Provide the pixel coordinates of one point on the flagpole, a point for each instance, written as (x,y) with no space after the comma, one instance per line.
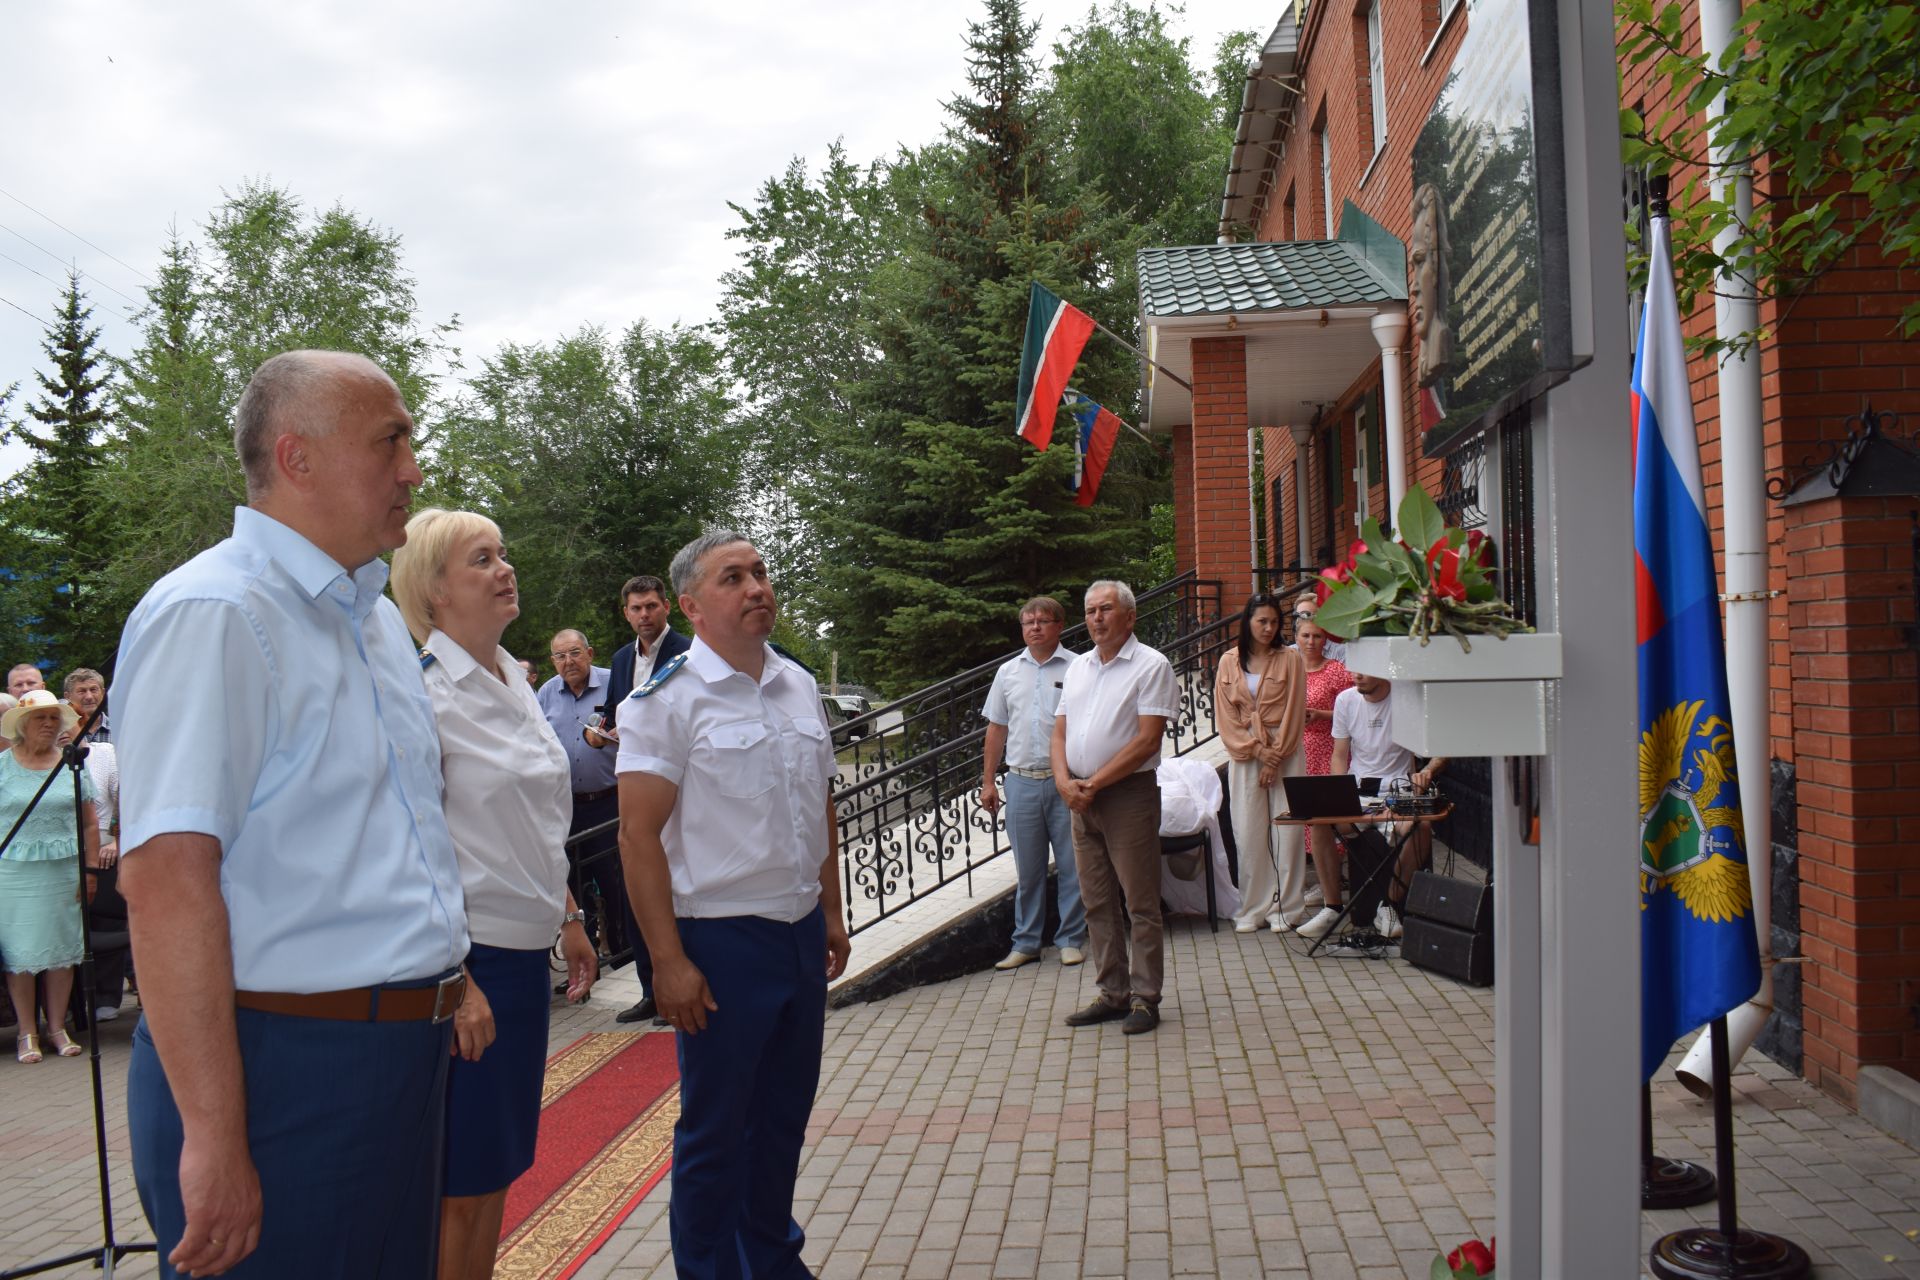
(1143,355)
(1117,418)
(1726,1251)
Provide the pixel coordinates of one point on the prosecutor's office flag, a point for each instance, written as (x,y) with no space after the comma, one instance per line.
(1056,331)
(1699,954)
(1098,429)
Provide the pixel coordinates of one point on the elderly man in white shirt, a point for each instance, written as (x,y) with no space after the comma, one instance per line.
(727,832)
(1114,709)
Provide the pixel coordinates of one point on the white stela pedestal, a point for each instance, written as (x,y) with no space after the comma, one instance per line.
(1447,701)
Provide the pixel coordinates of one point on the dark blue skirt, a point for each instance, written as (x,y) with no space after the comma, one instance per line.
(493,1105)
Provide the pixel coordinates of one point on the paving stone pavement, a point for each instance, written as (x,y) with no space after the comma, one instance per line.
(1290,1118)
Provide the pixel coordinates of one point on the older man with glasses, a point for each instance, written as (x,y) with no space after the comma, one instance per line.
(571,701)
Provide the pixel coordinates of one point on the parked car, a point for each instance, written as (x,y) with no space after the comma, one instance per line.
(851,703)
(837,721)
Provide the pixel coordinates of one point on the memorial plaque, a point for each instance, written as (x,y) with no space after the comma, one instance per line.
(1487,256)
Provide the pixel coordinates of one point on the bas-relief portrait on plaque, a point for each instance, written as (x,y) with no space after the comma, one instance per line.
(1487,274)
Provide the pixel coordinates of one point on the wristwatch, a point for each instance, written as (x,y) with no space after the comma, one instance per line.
(573,917)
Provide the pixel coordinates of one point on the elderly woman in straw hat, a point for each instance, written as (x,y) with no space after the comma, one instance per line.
(509,796)
(39,870)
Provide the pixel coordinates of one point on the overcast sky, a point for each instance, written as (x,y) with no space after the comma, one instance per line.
(548,165)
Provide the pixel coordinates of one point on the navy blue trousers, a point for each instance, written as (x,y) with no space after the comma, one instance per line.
(345,1121)
(746,1089)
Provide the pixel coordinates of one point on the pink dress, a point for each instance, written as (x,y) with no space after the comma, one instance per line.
(1323,686)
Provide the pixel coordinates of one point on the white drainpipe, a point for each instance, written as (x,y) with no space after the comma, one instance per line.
(1742,489)
(1302,433)
(1390,331)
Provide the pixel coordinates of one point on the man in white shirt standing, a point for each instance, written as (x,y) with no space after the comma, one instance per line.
(1114,709)
(1019,714)
(1363,745)
(727,832)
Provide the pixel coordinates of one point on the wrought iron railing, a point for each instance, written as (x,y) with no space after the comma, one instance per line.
(908,794)
(913,824)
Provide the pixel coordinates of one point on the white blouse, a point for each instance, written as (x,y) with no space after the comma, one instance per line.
(507,796)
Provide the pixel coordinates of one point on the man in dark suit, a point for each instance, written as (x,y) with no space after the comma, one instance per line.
(644,602)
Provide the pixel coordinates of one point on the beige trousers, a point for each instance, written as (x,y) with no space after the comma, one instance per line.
(1273,860)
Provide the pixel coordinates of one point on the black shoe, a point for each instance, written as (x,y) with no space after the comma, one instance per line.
(1098,1011)
(638,1013)
(1141,1020)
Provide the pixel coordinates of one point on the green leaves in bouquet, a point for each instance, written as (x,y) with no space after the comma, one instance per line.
(1421,524)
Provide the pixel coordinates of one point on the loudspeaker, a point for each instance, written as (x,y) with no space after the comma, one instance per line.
(1441,948)
(1459,903)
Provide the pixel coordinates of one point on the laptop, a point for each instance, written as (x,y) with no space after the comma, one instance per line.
(1335,795)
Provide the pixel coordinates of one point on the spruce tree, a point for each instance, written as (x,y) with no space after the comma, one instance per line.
(948,520)
(51,506)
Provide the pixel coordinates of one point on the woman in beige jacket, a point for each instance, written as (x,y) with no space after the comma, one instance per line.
(1259,704)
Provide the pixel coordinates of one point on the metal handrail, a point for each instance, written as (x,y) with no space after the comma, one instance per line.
(915,825)
(910,814)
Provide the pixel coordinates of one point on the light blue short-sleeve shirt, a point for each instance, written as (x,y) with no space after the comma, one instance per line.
(272,700)
(1023,699)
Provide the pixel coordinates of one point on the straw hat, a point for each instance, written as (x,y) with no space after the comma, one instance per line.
(37,700)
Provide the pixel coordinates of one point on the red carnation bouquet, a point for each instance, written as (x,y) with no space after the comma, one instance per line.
(1471,1261)
(1430,580)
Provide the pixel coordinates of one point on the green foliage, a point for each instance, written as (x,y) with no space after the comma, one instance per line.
(876,320)
(794,315)
(54,534)
(1823,94)
(955,520)
(599,456)
(1131,120)
(268,278)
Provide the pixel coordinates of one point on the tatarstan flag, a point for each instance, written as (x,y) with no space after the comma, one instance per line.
(1056,331)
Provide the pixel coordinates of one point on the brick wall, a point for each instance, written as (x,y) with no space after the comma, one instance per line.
(1850,601)
(1222,514)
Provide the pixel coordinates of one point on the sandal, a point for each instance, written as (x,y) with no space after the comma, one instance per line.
(28,1049)
(63,1044)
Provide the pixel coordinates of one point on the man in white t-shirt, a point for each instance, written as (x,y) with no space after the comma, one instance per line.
(1363,746)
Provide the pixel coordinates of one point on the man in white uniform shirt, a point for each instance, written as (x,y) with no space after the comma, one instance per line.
(1114,709)
(1019,715)
(727,833)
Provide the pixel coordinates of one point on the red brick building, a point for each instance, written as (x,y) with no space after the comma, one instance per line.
(1292,332)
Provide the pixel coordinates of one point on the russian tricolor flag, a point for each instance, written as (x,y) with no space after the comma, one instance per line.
(1056,332)
(1699,952)
(1098,429)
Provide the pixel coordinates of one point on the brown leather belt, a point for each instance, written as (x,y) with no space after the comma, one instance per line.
(363,1004)
(588,797)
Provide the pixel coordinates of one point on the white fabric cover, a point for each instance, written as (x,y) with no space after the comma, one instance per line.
(1190,802)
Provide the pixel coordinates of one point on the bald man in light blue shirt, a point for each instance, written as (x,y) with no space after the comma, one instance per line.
(295,905)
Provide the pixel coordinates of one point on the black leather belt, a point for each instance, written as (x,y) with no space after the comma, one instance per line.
(588,797)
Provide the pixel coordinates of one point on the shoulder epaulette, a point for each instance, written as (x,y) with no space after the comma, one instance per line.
(783,652)
(427,659)
(661,676)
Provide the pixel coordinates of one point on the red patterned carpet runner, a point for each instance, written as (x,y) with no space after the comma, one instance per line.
(606,1139)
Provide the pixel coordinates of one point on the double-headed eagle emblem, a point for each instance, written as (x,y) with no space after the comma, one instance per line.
(1684,836)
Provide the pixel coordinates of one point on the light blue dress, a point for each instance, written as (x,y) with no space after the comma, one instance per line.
(39,871)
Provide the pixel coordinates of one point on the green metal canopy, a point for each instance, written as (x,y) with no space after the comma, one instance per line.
(1304,307)
(1287,275)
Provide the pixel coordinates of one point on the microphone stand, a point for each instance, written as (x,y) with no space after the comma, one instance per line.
(110,1250)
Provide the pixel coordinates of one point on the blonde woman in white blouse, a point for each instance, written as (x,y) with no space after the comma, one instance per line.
(507,802)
